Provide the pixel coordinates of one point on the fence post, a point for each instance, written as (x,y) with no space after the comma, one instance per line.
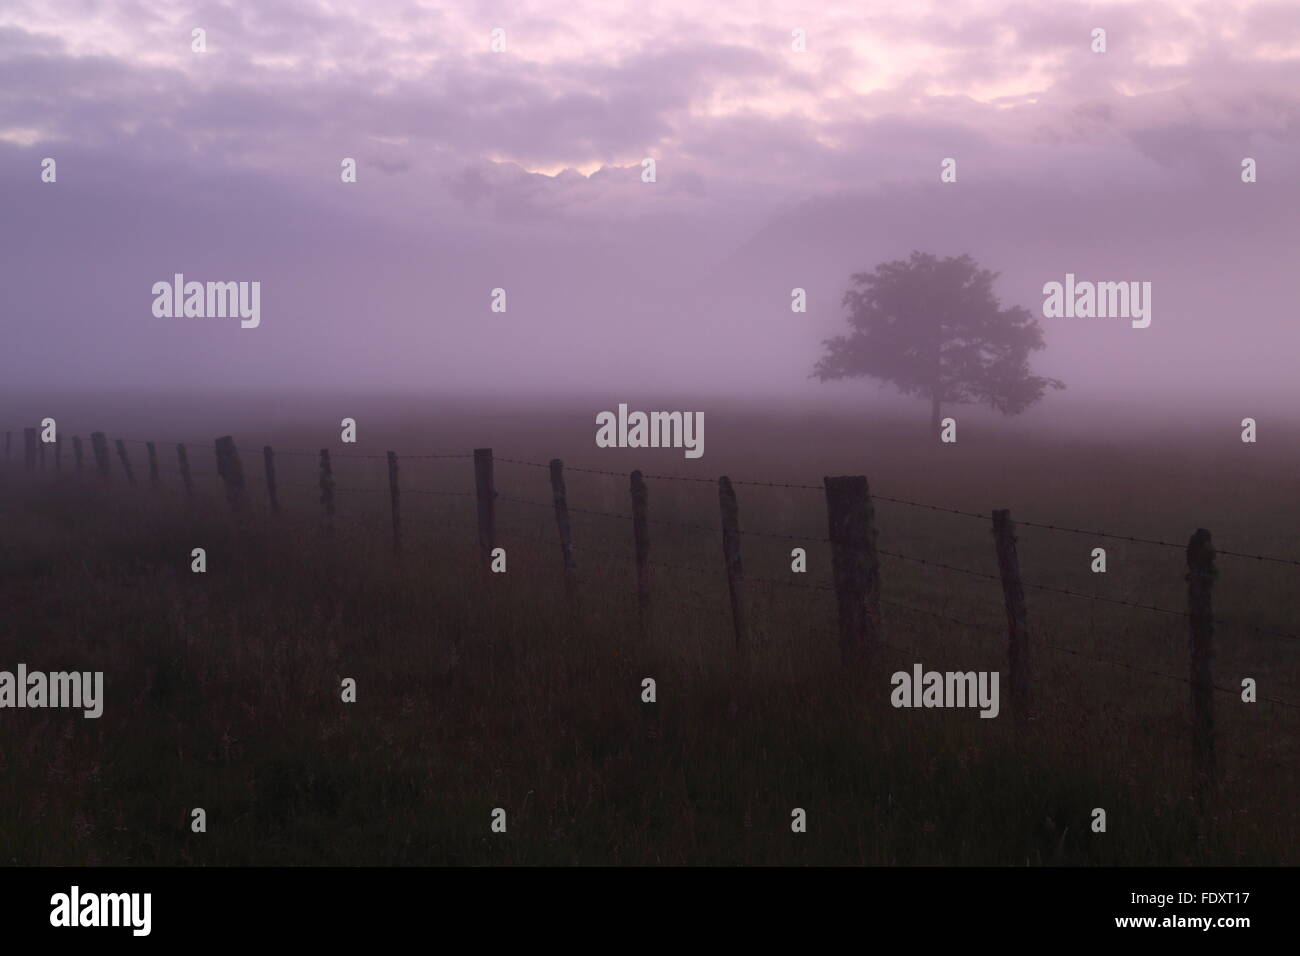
(326,491)
(183,459)
(485,492)
(1200,609)
(76,453)
(641,547)
(394,497)
(126,461)
(153,464)
(99,445)
(735,572)
(854,565)
(1013,596)
(560,498)
(268,460)
(231,471)
(29,448)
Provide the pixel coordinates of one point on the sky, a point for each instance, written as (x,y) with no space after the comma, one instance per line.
(522,169)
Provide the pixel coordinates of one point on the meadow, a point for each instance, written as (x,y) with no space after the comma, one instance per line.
(478,691)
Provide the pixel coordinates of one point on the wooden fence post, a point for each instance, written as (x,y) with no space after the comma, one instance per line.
(231,470)
(1200,609)
(854,565)
(153,464)
(735,572)
(29,448)
(76,454)
(394,497)
(268,461)
(1013,596)
(641,548)
(183,459)
(560,498)
(126,461)
(99,445)
(485,492)
(326,491)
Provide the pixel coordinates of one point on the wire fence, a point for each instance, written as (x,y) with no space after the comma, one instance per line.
(35,460)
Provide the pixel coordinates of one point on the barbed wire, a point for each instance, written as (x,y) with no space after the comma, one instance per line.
(1156,541)
(350,456)
(714,571)
(1161,674)
(789,485)
(1068,592)
(1227,622)
(294,452)
(777,535)
(986,629)
(778,484)
(982,628)
(1040,587)
(929,507)
(690,525)
(1272,559)
(1090,657)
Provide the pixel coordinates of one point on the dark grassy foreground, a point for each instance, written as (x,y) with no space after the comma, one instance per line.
(223,692)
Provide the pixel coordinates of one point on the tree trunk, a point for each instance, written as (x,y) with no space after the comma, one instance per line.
(937,389)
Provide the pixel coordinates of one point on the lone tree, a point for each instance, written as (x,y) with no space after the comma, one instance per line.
(933,327)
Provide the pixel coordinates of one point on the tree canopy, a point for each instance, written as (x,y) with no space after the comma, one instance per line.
(933,327)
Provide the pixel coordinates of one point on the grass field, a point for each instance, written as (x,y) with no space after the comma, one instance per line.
(479,691)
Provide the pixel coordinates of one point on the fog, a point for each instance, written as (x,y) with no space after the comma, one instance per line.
(522,171)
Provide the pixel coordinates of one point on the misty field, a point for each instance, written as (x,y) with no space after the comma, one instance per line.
(477,691)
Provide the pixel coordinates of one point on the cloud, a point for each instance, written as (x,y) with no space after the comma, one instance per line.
(523,169)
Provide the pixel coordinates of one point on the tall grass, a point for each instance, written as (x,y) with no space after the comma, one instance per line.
(479,691)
